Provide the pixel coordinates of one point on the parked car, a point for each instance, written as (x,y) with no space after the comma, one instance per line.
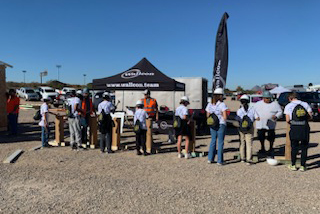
(313,98)
(65,90)
(254,98)
(97,98)
(28,94)
(49,93)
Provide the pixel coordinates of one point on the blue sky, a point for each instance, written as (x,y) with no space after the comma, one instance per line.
(269,40)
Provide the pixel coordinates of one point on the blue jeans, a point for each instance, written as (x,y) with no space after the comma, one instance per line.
(220,133)
(13,123)
(45,136)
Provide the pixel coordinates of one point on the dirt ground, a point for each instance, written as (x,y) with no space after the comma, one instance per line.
(58,180)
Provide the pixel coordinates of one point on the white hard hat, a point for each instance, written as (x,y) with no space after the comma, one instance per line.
(185,98)
(139,102)
(244,97)
(147,91)
(105,94)
(218,91)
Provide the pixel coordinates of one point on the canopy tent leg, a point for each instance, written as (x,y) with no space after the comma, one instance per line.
(122,100)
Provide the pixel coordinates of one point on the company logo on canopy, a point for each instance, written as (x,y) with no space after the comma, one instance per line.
(133,73)
(141,76)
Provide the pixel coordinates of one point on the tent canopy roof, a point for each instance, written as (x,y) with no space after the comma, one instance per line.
(141,76)
(279,90)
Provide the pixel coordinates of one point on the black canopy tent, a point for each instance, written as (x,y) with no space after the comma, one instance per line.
(142,76)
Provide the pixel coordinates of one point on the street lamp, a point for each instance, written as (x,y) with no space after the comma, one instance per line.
(84,79)
(58,66)
(24,76)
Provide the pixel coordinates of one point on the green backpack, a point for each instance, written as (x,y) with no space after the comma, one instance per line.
(137,127)
(177,122)
(213,120)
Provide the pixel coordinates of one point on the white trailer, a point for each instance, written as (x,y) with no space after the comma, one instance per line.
(196,88)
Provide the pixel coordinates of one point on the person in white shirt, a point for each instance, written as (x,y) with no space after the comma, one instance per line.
(183,130)
(44,123)
(246,135)
(267,114)
(141,137)
(74,122)
(105,124)
(218,109)
(297,115)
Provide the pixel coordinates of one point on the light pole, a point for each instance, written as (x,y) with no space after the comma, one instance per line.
(58,66)
(24,76)
(84,79)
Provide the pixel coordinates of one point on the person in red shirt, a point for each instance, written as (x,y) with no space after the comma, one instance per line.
(13,103)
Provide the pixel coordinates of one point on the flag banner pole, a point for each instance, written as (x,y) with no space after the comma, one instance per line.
(221,55)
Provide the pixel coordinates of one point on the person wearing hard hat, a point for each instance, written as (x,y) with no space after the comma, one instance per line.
(105,122)
(140,128)
(150,105)
(297,115)
(86,111)
(246,117)
(74,110)
(183,128)
(216,119)
(267,113)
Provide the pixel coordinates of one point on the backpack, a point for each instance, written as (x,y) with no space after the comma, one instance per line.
(69,111)
(245,124)
(37,115)
(299,115)
(213,121)
(177,122)
(137,127)
(105,122)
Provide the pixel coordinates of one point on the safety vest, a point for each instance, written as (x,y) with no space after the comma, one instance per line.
(84,107)
(150,107)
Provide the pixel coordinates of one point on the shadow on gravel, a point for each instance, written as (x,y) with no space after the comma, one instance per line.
(26,132)
(315,164)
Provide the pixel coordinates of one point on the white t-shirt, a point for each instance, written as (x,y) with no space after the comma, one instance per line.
(217,109)
(290,107)
(73,101)
(265,111)
(44,109)
(250,113)
(106,106)
(181,111)
(141,115)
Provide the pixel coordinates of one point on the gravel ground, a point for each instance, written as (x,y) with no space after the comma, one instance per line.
(58,180)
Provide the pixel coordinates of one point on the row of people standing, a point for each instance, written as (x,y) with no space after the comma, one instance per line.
(80,109)
(265,113)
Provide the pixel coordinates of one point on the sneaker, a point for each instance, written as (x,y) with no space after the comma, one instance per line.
(187,156)
(292,167)
(220,164)
(145,153)
(139,153)
(243,161)
(302,169)
(210,162)
(180,155)
(248,163)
